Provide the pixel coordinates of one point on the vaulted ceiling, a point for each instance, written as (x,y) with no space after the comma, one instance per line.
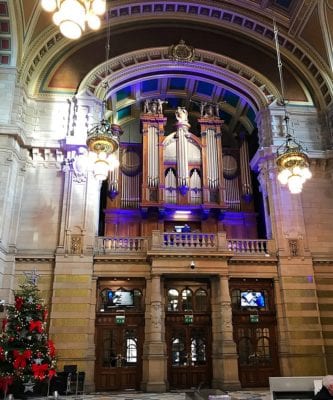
(235,57)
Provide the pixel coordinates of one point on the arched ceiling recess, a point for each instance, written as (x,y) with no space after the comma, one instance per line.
(147,74)
(222,27)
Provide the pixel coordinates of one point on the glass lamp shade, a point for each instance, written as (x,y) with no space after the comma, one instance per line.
(307,173)
(70,18)
(94,22)
(70,29)
(113,162)
(101,169)
(295,184)
(49,5)
(99,7)
(283,176)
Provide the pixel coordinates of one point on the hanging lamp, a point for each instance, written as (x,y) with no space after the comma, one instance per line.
(72,15)
(292,161)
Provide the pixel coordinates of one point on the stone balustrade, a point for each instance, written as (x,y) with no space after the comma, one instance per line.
(248,246)
(178,242)
(121,244)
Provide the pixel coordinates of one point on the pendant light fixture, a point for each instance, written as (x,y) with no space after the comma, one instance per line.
(72,15)
(104,137)
(292,161)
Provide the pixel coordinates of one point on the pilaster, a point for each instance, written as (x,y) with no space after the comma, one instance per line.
(154,351)
(224,352)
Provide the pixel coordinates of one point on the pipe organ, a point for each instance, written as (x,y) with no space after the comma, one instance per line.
(174,168)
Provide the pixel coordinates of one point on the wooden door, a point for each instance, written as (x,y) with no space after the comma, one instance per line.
(119,353)
(188,335)
(257,354)
(188,356)
(254,327)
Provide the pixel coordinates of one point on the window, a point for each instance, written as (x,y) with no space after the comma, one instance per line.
(201,300)
(131,348)
(173,300)
(187,300)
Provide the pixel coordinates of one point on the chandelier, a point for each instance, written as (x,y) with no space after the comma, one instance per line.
(292,162)
(103,143)
(72,15)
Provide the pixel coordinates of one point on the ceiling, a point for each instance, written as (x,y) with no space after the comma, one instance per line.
(235,56)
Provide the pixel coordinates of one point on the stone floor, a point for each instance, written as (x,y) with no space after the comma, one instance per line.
(174,395)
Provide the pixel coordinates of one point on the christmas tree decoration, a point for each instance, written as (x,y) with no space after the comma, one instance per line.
(27,356)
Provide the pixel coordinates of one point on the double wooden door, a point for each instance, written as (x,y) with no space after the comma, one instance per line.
(118,353)
(188,333)
(189,354)
(257,351)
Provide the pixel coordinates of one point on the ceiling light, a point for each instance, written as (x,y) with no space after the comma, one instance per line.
(72,15)
(103,142)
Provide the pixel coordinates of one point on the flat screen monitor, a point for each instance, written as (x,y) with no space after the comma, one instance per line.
(252,299)
(120,298)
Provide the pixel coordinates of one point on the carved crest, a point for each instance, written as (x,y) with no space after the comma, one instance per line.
(181,52)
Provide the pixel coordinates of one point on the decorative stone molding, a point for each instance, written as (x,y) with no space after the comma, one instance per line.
(255,25)
(110,73)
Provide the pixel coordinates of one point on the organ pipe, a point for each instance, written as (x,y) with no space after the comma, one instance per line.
(212,159)
(153,161)
(245,169)
(182,156)
(114,179)
(130,191)
(170,187)
(232,197)
(195,185)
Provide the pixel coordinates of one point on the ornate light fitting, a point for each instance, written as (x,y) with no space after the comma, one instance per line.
(103,142)
(72,15)
(292,162)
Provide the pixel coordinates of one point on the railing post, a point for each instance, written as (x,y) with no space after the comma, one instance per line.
(271,247)
(222,241)
(155,240)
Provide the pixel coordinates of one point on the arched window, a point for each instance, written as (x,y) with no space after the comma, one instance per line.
(173,300)
(187,300)
(201,300)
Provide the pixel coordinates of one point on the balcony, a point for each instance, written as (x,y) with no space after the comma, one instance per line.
(183,244)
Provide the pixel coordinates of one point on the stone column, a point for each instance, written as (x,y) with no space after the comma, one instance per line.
(154,350)
(224,352)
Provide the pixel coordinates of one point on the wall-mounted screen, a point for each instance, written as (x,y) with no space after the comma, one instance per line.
(252,299)
(120,298)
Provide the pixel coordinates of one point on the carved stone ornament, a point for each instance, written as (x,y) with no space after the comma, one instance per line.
(76,244)
(181,52)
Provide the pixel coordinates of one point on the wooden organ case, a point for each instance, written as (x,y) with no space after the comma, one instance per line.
(178,171)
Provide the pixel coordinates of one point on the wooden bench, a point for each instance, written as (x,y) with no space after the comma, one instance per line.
(294,387)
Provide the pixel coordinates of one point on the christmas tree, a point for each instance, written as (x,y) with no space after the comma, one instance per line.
(27,356)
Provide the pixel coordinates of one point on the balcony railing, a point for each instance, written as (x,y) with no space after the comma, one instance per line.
(178,242)
(188,240)
(118,244)
(248,246)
